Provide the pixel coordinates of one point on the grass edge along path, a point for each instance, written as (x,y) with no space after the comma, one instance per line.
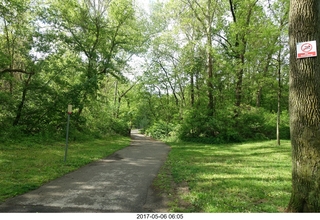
(253,177)
(27,165)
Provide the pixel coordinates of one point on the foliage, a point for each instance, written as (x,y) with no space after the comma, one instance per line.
(55,53)
(234,100)
(251,124)
(211,71)
(159,130)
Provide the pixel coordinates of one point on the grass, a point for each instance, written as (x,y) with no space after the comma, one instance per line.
(29,164)
(232,178)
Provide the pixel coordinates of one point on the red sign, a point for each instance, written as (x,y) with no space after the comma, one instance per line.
(307,49)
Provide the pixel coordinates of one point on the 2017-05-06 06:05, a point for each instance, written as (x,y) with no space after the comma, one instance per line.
(159,216)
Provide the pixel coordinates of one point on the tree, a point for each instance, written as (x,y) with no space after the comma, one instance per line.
(205,13)
(17,67)
(214,59)
(103,33)
(304,104)
(240,43)
(53,53)
(279,11)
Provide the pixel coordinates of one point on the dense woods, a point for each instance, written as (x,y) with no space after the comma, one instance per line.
(55,53)
(212,71)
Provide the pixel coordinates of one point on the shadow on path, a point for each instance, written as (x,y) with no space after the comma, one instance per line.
(118,183)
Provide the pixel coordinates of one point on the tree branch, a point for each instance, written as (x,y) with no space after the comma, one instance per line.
(232,9)
(15,71)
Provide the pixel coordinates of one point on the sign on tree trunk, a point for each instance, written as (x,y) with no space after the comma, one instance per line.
(304,103)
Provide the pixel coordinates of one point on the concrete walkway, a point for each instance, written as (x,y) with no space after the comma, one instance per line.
(118,183)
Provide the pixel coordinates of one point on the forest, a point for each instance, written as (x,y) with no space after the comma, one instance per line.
(213,71)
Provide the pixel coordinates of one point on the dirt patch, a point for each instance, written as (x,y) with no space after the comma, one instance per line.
(156,201)
(181,190)
(169,196)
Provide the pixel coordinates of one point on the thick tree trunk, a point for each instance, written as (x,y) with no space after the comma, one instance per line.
(304,108)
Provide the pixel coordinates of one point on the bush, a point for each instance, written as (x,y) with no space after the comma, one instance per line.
(271,123)
(160,130)
(120,127)
(250,124)
(12,134)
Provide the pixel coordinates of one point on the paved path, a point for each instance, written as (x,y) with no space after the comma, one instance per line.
(118,183)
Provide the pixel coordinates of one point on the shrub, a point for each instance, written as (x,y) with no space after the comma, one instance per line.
(160,130)
(120,127)
(250,124)
(271,123)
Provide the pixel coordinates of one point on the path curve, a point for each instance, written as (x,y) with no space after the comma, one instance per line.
(118,183)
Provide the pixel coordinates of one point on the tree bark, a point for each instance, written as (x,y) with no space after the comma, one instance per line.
(210,60)
(192,89)
(211,107)
(22,102)
(304,104)
(279,98)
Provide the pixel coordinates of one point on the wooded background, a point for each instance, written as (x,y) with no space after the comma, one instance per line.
(206,70)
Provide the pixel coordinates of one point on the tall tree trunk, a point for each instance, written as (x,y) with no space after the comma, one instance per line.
(259,96)
(240,51)
(279,97)
(192,89)
(10,43)
(304,103)
(211,104)
(115,113)
(22,102)
(265,73)
(239,80)
(210,78)
(208,14)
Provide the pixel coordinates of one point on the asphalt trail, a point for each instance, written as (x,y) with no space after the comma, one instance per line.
(118,183)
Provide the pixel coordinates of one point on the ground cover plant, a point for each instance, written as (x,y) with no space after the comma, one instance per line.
(28,164)
(238,178)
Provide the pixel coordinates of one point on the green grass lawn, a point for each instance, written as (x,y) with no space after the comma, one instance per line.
(231,178)
(250,177)
(29,164)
